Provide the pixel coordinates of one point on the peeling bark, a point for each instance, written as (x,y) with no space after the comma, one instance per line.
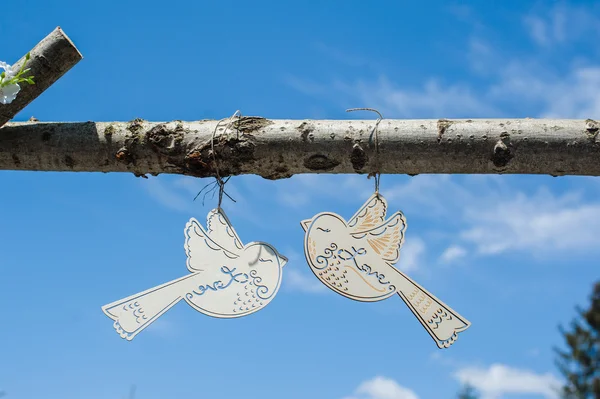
(276,149)
(50,60)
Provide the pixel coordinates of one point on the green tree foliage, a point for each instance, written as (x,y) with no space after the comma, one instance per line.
(580,362)
(468,392)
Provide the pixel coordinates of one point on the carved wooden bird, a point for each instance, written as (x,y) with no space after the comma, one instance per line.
(227,279)
(356,259)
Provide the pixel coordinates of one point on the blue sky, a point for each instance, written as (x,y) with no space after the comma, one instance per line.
(513,254)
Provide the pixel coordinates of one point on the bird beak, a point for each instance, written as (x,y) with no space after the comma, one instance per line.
(305,224)
(282,260)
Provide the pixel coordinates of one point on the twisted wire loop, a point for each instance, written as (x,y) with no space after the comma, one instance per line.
(219,181)
(374,135)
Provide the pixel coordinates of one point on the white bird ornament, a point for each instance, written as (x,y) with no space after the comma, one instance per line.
(356,259)
(227,279)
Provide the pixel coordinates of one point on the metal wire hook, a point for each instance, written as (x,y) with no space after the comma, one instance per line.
(374,132)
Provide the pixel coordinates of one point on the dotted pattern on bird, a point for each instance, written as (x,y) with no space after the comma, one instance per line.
(334,275)
(247,299)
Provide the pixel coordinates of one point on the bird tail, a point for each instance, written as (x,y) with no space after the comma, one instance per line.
(134,313)
(441,322)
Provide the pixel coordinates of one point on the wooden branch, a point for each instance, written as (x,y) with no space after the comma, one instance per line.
(50,60)
(278,149)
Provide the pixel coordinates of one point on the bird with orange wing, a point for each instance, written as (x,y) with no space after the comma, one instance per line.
(356,259)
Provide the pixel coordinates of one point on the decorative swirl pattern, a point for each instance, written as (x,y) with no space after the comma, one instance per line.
(323,259)
(219,285)
(261,289)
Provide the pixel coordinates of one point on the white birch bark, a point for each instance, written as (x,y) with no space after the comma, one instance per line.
(277,149)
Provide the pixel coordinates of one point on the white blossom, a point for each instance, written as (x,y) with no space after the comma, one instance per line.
(8,93)
(9,72)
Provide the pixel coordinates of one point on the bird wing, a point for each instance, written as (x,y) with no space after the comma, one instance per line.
(386,239)
(220,230)
(371,215)
(202,252)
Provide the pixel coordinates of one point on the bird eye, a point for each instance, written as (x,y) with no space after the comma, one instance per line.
(265,260)
(325,230)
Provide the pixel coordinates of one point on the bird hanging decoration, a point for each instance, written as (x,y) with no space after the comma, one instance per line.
(356,258)
(227,279)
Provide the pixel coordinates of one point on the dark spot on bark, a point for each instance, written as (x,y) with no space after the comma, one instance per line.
(320,162)
(135,125)
(592,128)
(165,141)
(250,124)
(16,160)
(358,157)
(231,155)
(305,129)
(123,155)
(142,175)
(197,161)
(46,136)
(109,131)
(70,162)
(281,172)
(442,126)
(503,151)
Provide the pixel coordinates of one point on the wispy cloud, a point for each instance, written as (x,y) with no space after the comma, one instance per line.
(298,276)
(434,98)
(178,192)
(412,254)
(533,223)
(452,253)
(382,388)
(498,379)
(303,282)
(487,216)
(165,194)
(562,23)
(538,78)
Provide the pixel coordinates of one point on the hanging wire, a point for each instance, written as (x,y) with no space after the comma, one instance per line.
(219,181)
(374,134)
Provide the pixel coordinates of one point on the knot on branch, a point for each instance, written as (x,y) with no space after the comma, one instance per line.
(358,157)
(231,154)
(503,151)
(592,128)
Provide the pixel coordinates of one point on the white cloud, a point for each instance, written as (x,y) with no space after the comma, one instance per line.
(573,94)
(159,189)
(433,100)
(499,379)
(411,254)
(303,282)
(488,215)
(453,253)
(382,388)
(535,224)
(562,23)
(538,78)
(298,277)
